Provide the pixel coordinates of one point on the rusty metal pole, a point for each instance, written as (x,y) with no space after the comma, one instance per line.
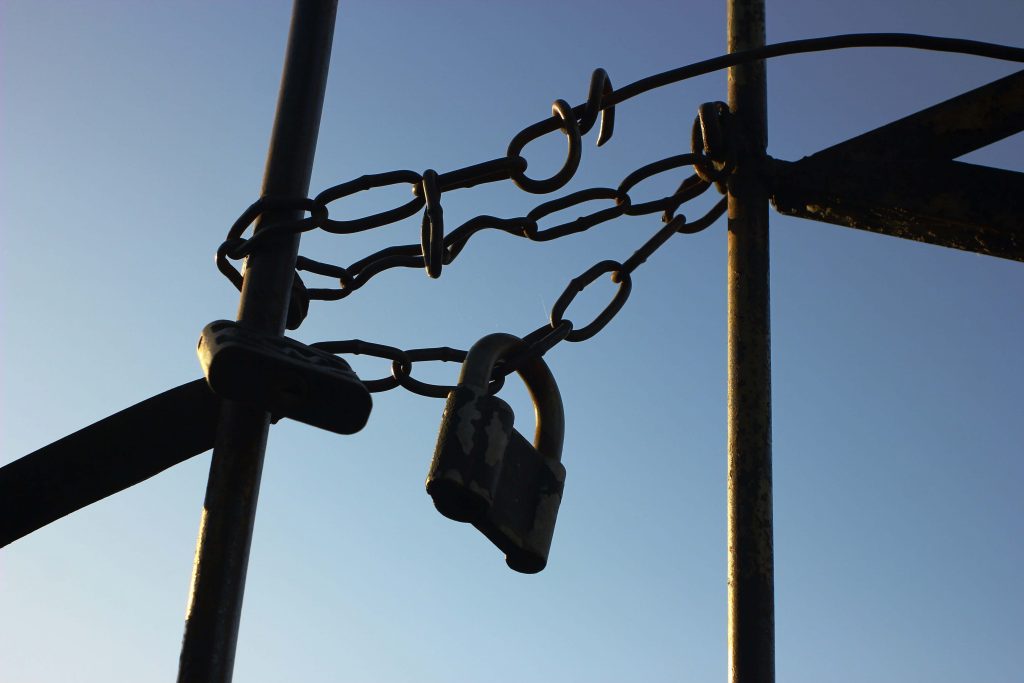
(225,529)
(751,565)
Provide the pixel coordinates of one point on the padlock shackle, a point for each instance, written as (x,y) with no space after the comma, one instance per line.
(547,407)
(547,400)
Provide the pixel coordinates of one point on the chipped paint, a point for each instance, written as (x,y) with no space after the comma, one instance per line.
(497,441)
(466,415)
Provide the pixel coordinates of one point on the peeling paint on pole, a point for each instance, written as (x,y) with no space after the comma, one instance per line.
(751,565)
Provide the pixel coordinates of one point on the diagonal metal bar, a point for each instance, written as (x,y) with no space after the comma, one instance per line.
(229,509)
(106,457)
(946,130)
(900,179)
(946,203)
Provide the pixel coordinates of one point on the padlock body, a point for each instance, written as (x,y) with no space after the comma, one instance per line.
(521,518)
(471,443)
(284,377)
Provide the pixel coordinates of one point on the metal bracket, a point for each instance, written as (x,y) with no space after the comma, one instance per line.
(901,180)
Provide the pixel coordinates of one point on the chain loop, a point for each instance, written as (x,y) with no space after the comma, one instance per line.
(692,187)
(234,246)
(369,182)
(470,176)
(402,369)
(564,118)
(707,220)
(457,239)
(533,345)
(600,88)
(298,304)
(360,347)
(577,285)
(432,227)
(622,203)
(437,249)
(713,146)
(643,173)
(271,203)
(714,141)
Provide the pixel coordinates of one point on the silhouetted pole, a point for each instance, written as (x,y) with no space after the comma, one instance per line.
(225,529)
(751,572)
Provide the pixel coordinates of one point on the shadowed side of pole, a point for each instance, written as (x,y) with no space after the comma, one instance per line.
(106,457)
(215,597)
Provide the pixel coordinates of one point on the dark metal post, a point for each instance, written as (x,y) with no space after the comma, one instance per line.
(751,571)
(225,529)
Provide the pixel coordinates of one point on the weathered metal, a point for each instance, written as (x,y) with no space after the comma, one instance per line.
(751,623)
(486,473)
(714,135)
(901,179)
(567,120)
(283,377)
(106,457)
(225,529)
(578,284)
(432,225)
(946,203)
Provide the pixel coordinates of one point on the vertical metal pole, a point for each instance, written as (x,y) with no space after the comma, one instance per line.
(225,529)
(751,570)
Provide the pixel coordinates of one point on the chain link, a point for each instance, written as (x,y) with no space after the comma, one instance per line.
(714,145)
(437,249)
(538,342)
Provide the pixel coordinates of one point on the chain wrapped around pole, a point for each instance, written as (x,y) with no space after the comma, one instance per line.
(715,140)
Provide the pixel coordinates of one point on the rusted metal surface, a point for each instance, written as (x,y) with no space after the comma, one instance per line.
(751,624)
(712,141)
(284,377)
(486,473)
(225,529)
(900,179)
(106,457)
(946,203)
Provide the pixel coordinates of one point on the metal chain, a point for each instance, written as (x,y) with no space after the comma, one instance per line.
(537,342)
(437,249)
(444,248)
(714,142)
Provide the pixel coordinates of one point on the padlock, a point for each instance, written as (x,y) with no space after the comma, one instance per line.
(486,473)
(284,377)
(475,432)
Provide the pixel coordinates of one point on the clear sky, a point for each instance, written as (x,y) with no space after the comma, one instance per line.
(134,133)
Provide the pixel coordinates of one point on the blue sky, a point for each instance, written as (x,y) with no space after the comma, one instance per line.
(132,136)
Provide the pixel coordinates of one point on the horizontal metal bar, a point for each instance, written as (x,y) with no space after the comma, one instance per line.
(947,203)
(947,130)
(106,457)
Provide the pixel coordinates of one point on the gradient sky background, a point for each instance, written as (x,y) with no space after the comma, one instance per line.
(134,133)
